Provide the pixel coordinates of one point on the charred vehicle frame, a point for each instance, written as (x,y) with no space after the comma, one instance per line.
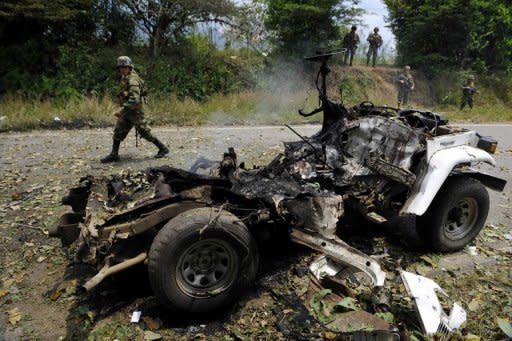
(196,233)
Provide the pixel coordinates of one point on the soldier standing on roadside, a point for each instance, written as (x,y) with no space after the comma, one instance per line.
(468,90)
(375,41)
(131,97)
(405,84)
(350,42)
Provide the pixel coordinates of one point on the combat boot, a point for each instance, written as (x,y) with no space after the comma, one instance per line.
(162,149)
(114,154)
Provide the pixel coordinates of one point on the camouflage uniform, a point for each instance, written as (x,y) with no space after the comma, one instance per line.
(405,84)
(468,90)
(375,41)
(350,42)
(131,98)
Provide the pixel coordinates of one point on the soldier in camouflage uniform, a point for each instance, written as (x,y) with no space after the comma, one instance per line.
(131,97)
(350,42)
(468,90)
(375,41)
(405,84)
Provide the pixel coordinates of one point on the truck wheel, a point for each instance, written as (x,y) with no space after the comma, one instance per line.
(456,215)
(201,260)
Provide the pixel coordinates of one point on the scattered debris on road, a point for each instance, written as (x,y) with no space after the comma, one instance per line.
(200,235)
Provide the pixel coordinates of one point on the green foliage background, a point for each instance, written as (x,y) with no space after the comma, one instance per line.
(300,27)
(193,70)
(61,52)
(437,35)
(67,49)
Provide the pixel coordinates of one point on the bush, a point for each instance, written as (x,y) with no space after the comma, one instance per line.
(197,70)
(194,69)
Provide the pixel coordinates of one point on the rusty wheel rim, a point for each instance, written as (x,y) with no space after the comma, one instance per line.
(207,267)
(461,219)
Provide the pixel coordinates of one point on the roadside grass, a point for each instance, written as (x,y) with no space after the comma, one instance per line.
(17,113)
(479,114)
(261,107)
(249,108)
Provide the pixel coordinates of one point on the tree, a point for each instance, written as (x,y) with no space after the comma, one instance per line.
(31,30)
(163,20)
(300,26)
(490,40)
(115,25)
(24,19)
(248,27)
(439,34)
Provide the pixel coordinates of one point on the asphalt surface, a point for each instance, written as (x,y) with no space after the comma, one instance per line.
(40,166)
(42,152)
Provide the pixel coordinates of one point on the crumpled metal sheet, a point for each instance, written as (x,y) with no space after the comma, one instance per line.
(431,314)
(390,139)
(316,213)
(339,251)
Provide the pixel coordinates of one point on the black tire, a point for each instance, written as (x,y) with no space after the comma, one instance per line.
(196,265)
(456,215)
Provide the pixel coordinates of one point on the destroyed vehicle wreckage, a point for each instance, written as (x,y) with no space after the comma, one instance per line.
(196,233)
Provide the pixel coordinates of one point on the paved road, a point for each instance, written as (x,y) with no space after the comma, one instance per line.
(70,154)
(56,159)
(501,206)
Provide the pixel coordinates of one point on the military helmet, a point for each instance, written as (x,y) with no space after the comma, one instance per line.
(376,29)
(124,61)
(407,67)
(354,28)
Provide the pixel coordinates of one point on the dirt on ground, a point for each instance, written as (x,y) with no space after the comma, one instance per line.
(40,297)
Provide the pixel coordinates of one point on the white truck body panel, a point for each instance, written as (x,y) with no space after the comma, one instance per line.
(443,154)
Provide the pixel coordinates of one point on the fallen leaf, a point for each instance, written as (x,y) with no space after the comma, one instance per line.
(3,292)
(347,304)
(18,277)
(329,335)
(91,315)
(429,261)
(386,316)
(14,316)
(55,295)
(319,308)
(151,323)
(422,269)
(474,304)
(8,282)
(149,335)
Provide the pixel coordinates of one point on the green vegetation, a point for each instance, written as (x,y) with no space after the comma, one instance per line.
(276,102)
(446,34)
(301,26)
(57,58)
(241,108)
(67,49)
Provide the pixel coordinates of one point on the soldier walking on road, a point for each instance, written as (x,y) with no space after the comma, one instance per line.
(132,94)
(350,42)
(468,90)
(375,41)
(405,84)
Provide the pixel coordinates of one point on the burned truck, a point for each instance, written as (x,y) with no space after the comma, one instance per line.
(196,233)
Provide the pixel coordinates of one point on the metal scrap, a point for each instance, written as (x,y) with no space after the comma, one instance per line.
(431,314)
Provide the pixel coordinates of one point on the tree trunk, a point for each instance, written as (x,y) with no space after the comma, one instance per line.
(158,37)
